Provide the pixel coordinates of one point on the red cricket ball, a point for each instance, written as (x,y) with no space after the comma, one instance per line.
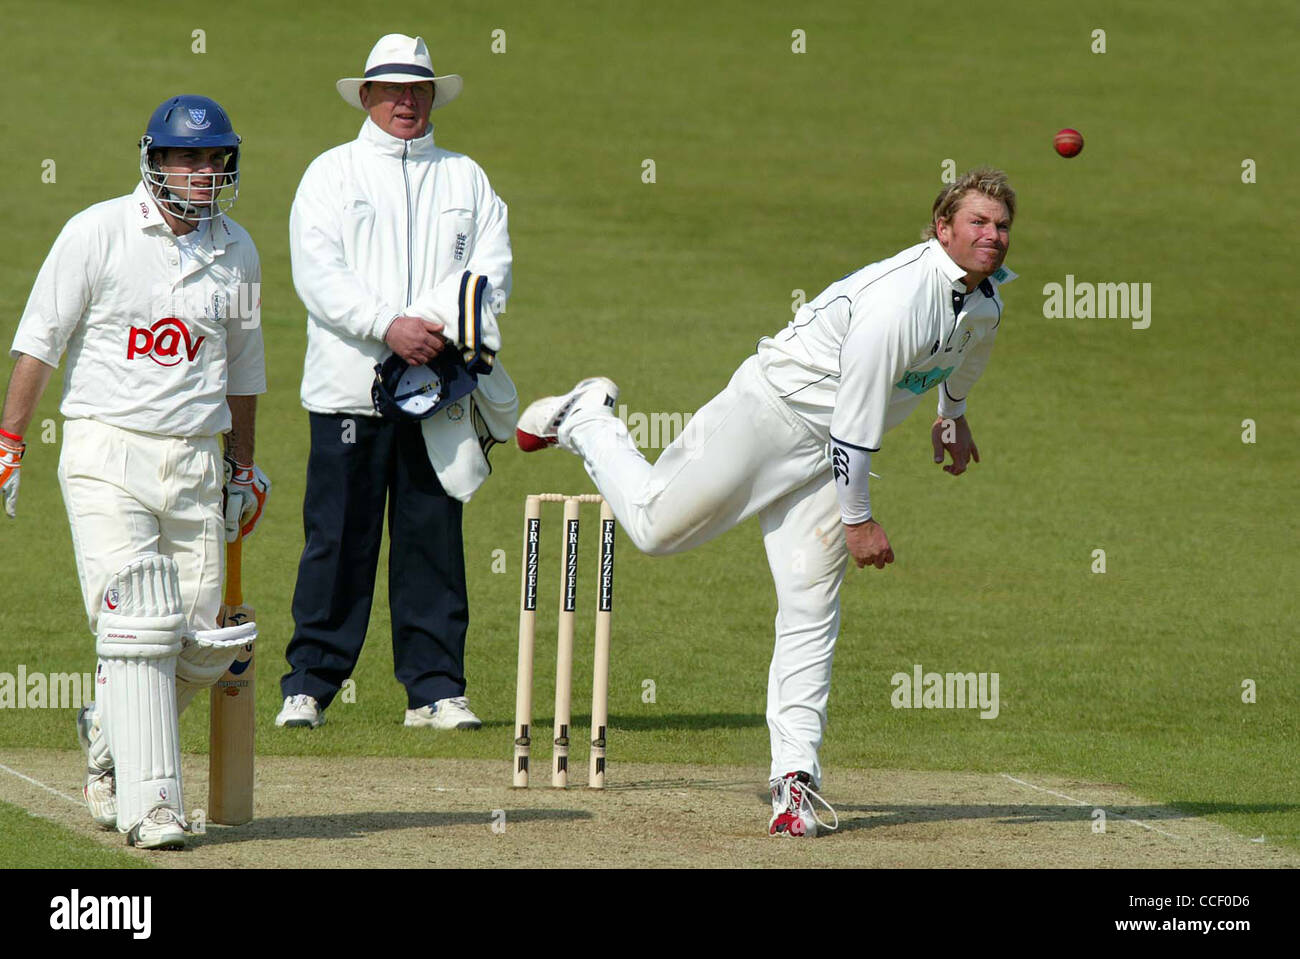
(1068,143)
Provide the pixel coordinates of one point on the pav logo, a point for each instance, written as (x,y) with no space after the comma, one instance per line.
(166,342)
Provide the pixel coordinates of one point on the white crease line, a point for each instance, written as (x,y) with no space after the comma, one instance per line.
(35,782)
(1080,802)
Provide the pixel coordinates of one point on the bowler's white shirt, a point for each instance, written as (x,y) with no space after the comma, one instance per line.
(854,361)
(382,227)
(155,337)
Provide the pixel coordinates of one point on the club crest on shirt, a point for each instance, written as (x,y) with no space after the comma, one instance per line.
(918,381)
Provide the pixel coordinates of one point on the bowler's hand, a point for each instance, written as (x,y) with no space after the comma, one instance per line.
(414,339)
(868,543)
(962,447)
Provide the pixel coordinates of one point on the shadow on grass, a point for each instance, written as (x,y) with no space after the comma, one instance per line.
(356,825)
(1018,814)
(637,724)
(1225,808)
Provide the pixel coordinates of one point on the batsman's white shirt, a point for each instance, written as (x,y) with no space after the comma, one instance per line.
(154,339)
(377,225)
(157,332)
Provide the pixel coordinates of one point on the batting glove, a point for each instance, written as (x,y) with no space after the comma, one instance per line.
(11,461)
(246,490)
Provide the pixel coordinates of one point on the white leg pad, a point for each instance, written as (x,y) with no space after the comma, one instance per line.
(139,637)
(98,756)
(205,657)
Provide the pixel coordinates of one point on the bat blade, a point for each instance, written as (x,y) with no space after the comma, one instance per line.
(230,737)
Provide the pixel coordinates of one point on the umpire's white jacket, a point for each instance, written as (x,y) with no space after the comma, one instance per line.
(382,227)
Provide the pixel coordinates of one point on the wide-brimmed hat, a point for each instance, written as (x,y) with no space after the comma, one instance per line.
(398,58)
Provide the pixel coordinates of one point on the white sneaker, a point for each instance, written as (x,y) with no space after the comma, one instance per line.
(100,790)
(161,828)
(793,811)
(453,713)
(539,425)
(301,710)
(101,797)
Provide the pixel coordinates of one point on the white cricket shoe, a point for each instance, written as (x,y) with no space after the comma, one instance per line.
(793,811)
(161,828)
(453,713)
(101,797)
(300,711)
(539,425)
(100,790)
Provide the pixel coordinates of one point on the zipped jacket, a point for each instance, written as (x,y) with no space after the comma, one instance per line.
(377,225)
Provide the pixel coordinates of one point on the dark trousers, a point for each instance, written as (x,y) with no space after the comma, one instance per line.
(357,465)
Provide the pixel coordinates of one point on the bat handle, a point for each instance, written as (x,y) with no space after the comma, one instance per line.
(235,572)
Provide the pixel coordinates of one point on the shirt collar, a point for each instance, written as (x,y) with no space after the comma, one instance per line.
(949,270)
(388,145)
(145,212)
(954,273)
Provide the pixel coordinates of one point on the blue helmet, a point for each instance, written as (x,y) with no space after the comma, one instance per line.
(195,122)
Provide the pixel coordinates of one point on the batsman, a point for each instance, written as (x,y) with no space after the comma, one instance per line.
(790,441)
(153,301)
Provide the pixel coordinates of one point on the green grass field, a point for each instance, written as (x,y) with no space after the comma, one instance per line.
(775,172)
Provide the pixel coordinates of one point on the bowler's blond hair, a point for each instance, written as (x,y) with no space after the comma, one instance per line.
(984,180)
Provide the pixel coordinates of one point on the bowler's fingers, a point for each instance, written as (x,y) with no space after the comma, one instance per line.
(974,451)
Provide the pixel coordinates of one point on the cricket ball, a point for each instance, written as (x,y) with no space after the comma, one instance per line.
(1068,143)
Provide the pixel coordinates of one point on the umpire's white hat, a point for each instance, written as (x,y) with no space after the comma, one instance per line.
(397,58)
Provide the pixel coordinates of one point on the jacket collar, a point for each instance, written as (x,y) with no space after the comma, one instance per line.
(387,145)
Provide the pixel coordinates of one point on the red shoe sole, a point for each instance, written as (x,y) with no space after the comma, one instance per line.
(530,443)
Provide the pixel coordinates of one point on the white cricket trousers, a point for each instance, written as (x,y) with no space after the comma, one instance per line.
(129,493)
(743,453)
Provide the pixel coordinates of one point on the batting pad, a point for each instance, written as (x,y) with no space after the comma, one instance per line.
(205,657)
(98,756)
(139,638)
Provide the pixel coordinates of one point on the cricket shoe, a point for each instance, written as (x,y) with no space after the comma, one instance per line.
(161,828)
(100,790)
(794,809)
(300,711)
(539,426)
(453,713)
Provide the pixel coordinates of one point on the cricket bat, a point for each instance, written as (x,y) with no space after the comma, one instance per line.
(230,740)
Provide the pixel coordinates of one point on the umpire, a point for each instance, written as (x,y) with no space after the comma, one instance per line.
(384,231)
